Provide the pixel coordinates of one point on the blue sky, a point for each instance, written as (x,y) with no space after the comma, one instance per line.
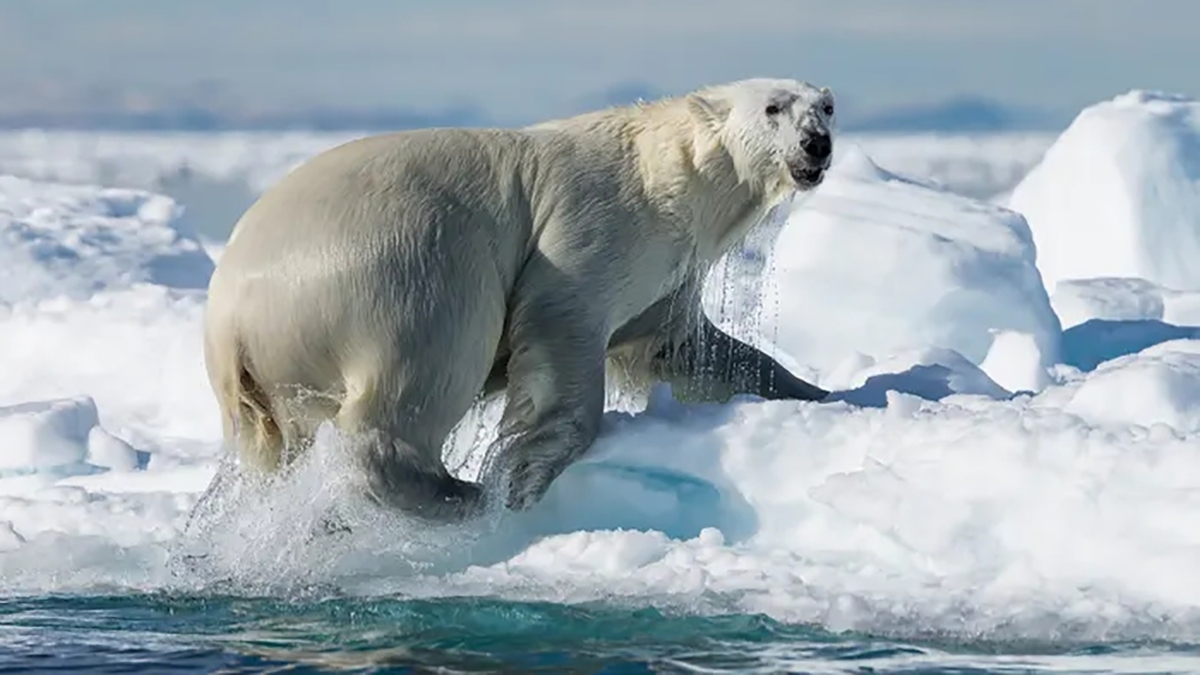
(522,59)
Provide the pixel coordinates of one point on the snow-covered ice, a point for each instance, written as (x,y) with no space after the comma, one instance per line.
(101,296)
(1118,194)
(978,472)
(875,264)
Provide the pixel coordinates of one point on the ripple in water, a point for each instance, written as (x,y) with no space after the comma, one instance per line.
(206,633)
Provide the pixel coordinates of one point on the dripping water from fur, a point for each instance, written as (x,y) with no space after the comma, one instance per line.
(736,303)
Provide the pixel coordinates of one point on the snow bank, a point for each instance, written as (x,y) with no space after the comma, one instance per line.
(101,298)
(1118,194)
(873,264)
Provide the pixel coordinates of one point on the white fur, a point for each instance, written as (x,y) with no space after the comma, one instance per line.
(388,282)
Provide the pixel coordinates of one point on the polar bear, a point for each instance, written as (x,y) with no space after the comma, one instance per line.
(390,282)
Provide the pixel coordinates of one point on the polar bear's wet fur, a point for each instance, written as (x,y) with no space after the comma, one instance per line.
(388,283)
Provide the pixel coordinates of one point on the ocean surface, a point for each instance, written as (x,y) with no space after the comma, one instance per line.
(189,633)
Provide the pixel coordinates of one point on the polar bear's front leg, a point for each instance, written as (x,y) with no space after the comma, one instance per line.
(710,365)
(555,395)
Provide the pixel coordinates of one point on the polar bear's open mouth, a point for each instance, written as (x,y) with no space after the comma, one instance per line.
(806,176)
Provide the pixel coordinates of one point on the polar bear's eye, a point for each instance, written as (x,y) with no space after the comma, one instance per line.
(772,109)
(828,108)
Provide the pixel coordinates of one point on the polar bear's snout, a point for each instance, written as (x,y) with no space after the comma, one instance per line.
(818,147)
(808,169)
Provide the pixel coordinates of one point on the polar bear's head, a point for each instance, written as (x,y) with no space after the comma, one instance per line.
(778,132)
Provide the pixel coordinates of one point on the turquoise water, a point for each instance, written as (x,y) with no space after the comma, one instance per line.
(177,633)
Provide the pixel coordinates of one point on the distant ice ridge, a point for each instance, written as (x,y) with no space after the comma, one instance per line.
(70,242)
(1118,194)
(218,175)
(151,160)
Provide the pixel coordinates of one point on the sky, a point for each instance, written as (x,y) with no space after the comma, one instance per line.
(522,60)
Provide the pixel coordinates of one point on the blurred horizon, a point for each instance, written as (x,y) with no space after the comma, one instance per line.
(921,65)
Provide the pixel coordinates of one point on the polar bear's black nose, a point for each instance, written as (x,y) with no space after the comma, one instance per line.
(817,146)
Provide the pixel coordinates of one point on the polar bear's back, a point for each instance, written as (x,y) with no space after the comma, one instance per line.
(371,246)
(373,186)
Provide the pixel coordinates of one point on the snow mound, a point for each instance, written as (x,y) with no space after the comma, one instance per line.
(1158,385)
(1118,194)
(874,264)
(59,436)
(930,374)
(72,241)
(1123,299)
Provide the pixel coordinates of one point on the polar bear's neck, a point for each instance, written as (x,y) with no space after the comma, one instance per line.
(699,187)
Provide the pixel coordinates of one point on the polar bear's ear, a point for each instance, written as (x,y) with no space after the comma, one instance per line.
(712,110)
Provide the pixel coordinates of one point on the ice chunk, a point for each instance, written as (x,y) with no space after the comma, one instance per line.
(1015,362)
(46,435)
(110,452)
(1123,299)
(1160,384)
(1118,194)
(876,264)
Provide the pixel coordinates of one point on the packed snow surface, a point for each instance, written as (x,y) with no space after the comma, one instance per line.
(1118,194)
(928,495)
